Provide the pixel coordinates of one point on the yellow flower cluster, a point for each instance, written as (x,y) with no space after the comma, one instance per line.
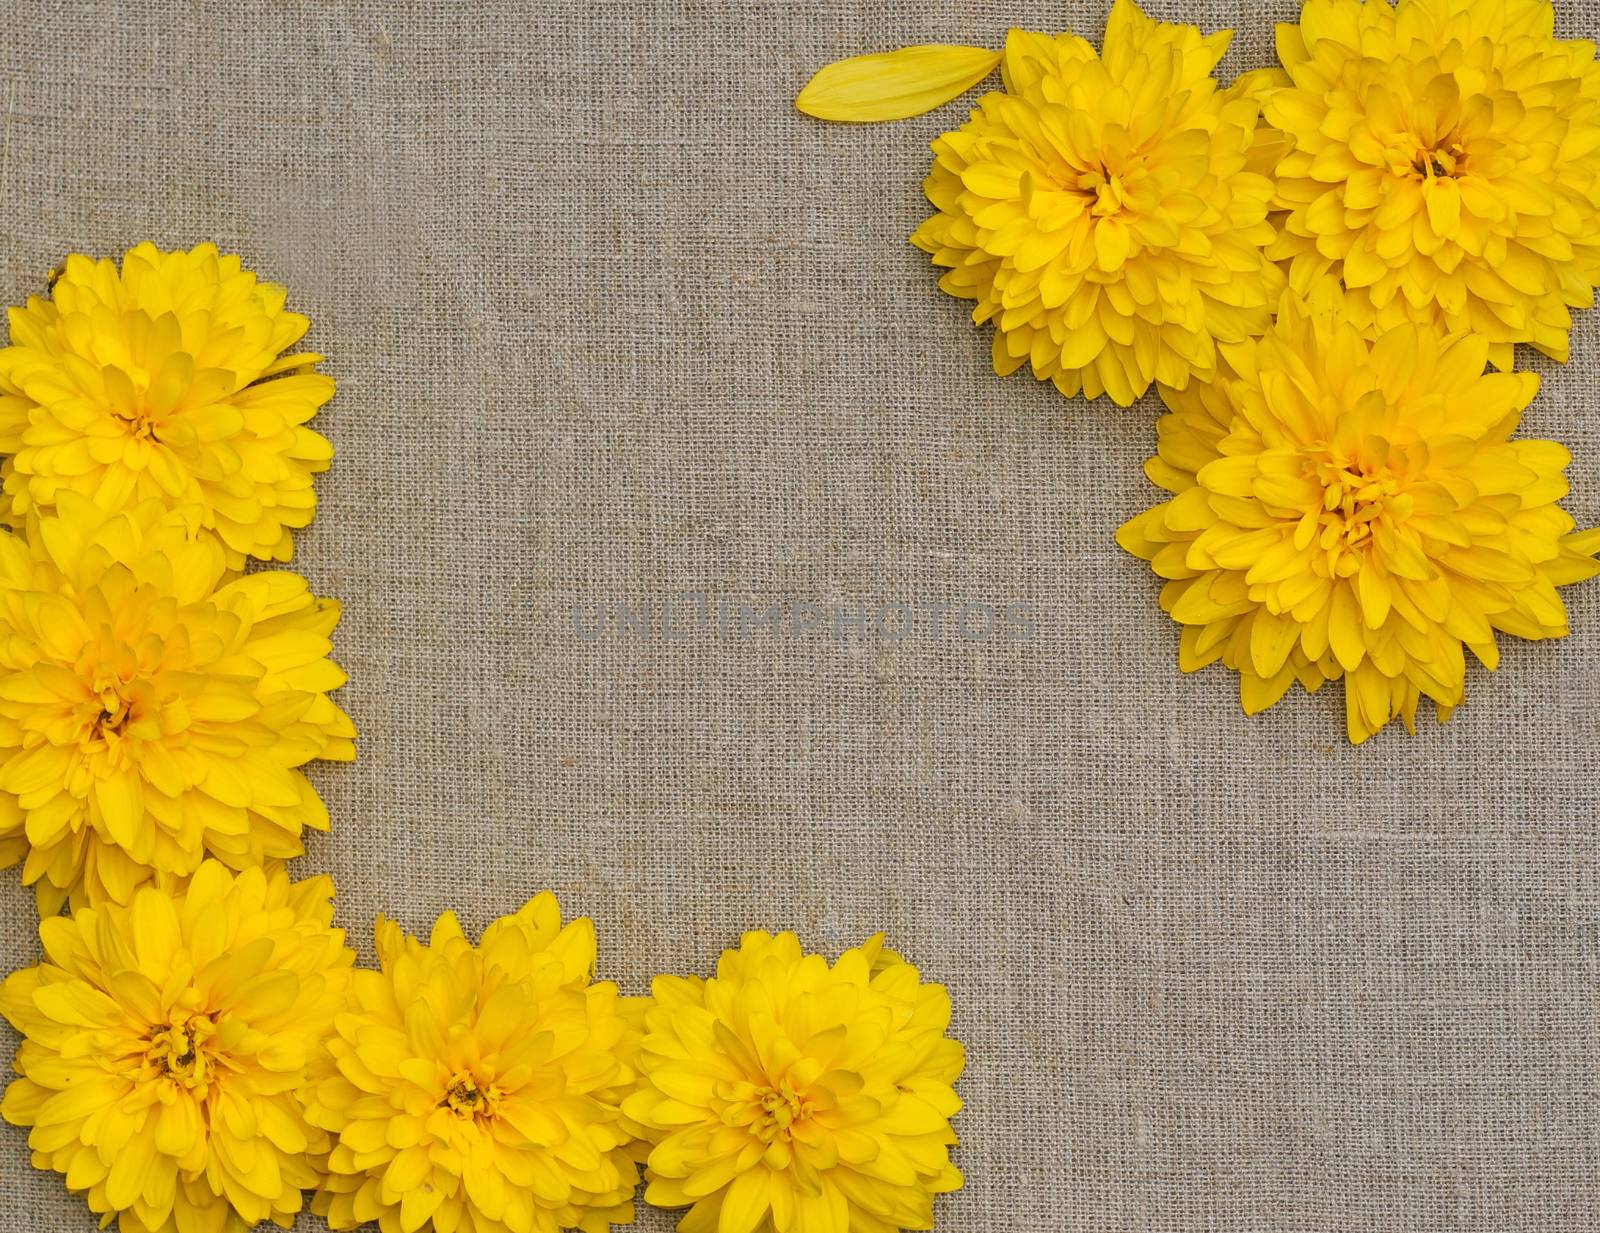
(1075,203)
(165,379)
(1314,266)
(154,708)
(157,703)
(1106,211)
(195,1060)
(198,1050)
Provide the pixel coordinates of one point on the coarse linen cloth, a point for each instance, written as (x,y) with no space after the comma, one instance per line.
(613,324)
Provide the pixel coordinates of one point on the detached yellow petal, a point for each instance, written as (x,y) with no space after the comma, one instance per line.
(894,85)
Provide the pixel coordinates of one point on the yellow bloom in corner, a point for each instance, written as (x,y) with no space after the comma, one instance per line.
(1357,510)
(152,711)
(476,1088)
(1104,211)
(165,379)
(164,1042)
(789,1095)
(1443,158)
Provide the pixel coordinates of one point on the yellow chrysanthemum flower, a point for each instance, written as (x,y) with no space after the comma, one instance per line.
(1356,509)
(791,1096)
(1103,211)
(164,1042)
(1443,163)
(165,379)
(477,1088)
(152,711)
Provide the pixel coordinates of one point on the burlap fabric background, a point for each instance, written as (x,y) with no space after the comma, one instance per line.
(611,322)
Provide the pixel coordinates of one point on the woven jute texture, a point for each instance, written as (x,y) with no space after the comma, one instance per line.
(612,324)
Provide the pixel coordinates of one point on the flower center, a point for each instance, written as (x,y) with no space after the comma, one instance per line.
(1105,188)
(108,726)
(1442,158)
(781,1106)
(179,1050)
(138,423)
(1354,497)
(116,700)
(466,1098)
(134,410)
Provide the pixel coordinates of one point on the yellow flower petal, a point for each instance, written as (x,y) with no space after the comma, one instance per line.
(894,85)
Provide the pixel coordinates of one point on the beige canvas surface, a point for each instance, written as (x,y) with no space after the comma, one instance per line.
(612,323)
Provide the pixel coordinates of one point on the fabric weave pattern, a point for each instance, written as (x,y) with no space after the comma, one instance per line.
(611,322)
